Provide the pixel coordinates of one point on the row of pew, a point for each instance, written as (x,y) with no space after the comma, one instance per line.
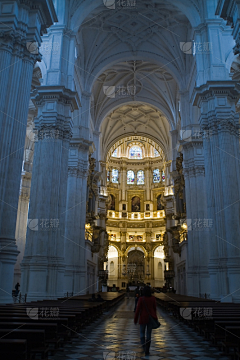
(217,322)
(36,329)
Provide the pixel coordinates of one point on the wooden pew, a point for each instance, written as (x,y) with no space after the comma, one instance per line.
(51,337)
(11,349)
(73,314)
(35,340)
(231,343)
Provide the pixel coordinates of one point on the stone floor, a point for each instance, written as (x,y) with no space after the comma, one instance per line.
(115,336)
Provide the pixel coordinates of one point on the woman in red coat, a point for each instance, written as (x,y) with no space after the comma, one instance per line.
(146,305)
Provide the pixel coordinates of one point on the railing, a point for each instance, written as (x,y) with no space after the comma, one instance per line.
(68,294)
(21,299)
(159,214)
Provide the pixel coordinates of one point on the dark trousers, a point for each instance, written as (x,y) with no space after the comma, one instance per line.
(143,328)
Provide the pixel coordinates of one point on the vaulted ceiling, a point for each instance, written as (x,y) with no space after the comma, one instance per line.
(135,81)
(150,32)
(135,119)
(135,51)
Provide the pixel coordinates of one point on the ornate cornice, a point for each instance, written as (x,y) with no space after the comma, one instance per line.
(53,132)
(75,171)
(59,94)
(216,125)
(13,42)
(194,171)
(214,89)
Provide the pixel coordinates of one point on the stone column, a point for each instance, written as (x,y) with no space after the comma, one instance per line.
(123,236)
(21,225)
(23,203)
(74,238)
(43,262)
(21,27)
(124,182)
(148,183)
(196,208)
(104,173)
(220,126)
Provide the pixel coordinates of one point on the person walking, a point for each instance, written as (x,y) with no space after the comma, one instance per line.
(146,308)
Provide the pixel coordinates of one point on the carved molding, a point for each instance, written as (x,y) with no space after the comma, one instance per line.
(194,171)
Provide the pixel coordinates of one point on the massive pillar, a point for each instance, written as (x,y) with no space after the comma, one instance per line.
(24,195)
(21,225)
(74,237)
(220,126)
(199,226)
(21,27)
(43,263)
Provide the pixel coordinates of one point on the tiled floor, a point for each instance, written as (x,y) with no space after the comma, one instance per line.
(115,336)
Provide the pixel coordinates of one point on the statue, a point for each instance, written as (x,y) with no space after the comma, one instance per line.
(179,187)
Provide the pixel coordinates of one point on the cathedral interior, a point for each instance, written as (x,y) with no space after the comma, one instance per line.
(119,179)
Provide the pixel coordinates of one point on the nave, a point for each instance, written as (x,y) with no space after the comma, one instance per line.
(114,336)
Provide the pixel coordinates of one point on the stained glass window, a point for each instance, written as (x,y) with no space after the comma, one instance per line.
(130,177)
(108,176)
(114,154)
(156,153)
(156,176)
(135,152)
(163,176)
(114,176)
(140,177)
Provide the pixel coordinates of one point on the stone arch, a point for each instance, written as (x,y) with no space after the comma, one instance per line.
(139,247)
(115,247)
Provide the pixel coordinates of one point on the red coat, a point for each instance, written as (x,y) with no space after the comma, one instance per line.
(141,310)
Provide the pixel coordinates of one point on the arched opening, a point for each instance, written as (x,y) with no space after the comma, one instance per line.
(136,266)
(159,266)
(112,266)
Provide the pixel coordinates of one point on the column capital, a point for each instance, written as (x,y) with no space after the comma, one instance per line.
(55,104)
(15,33)
(55,94)
(216,89)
